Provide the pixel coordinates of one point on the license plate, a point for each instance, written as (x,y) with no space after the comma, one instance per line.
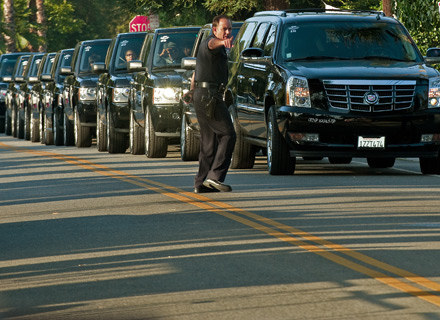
(371,143)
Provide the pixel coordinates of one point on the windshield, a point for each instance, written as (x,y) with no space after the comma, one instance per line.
(34,67)
(128,50)
(169,49)
(346,41)
(7,67)
(91,53)
(48,64)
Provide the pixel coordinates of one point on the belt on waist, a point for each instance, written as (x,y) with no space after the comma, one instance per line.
(207,85)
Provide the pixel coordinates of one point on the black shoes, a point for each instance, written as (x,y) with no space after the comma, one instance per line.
(203,189)
(217,185)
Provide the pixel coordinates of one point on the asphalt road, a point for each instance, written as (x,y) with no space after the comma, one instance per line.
(90,235)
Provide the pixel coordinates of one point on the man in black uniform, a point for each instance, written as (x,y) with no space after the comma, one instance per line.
(217,135)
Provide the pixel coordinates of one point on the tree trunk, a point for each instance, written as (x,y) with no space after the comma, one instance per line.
(32,22)
(387,6)
(41,20)
(276,4)
(9,35)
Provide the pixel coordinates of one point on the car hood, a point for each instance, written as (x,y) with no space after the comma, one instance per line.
(169,78)
(88,81)
(357,69)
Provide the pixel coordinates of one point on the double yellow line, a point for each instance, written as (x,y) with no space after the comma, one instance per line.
(397,278)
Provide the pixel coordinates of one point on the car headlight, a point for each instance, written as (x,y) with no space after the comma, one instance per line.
(297,92)
(434,93)
(3,94)
(166,95)
(120,94)
(87,94)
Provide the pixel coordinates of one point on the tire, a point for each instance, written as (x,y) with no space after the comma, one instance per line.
(58,139)
(380,163)
(430,165)
(279,161)
(41,127)
(20,127)
(136,136)
(67,131)
(2,123)
(48,130)
(35,129)
(189,143)
(243,156)
(101,133)
(14,122)
(81,133)
(116,142)
(8,123)
(155,147)
(27,124)
(340,160)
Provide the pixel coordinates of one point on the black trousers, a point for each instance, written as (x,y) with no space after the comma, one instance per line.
(217,139)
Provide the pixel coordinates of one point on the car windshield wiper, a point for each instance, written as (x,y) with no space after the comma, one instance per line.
(315,58)
(381,58)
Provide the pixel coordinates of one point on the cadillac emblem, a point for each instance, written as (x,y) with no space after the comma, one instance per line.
(371,98)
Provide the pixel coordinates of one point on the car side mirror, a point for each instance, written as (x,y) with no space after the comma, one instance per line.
(98,67)
(7,79)
(19,78)
(33,79)
(432,55)
(188,63)
(46,77)
(66,71)
(252,53)
(135,66)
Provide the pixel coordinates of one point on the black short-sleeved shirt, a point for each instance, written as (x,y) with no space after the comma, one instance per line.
(212,65)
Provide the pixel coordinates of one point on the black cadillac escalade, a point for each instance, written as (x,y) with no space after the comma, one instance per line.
(316,83)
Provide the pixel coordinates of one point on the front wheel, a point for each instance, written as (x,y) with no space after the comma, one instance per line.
(35,129)
(48,130)
(82,133)
(155,147)
(279,161)
(136,137)
(189,143)
(57,125)
(8,123)
(116,142)
(243,156)
(101,133)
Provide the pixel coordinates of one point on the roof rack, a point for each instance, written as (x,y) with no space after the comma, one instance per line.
(283,13)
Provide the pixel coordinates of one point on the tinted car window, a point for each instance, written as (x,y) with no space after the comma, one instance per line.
(346,40)
(90,54)
(48,64)
(259,36)
(133,44)
(34,69)
(181,43)
(7,67)
(270,41)
(244,35)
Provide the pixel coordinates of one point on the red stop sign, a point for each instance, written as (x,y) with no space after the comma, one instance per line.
(139,23)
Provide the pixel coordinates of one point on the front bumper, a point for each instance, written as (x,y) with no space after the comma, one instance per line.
(337,135)
(166,119)
(87,112)
(120,115)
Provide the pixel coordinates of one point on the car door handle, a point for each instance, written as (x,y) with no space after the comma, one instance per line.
(240,77)
(252,80)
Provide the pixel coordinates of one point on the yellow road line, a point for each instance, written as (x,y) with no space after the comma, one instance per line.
(294,236)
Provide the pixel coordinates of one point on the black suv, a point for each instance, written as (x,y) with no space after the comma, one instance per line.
(323,84)
(156,90)
(14,99)
(52,97)
(80,92)
(189,133)
(113,116)
(7,64)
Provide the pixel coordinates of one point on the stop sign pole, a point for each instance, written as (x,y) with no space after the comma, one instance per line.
(139,23)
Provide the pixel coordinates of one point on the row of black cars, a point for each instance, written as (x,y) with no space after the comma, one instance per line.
(303,83)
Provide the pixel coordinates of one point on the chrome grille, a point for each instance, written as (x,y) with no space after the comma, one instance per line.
(350,94)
